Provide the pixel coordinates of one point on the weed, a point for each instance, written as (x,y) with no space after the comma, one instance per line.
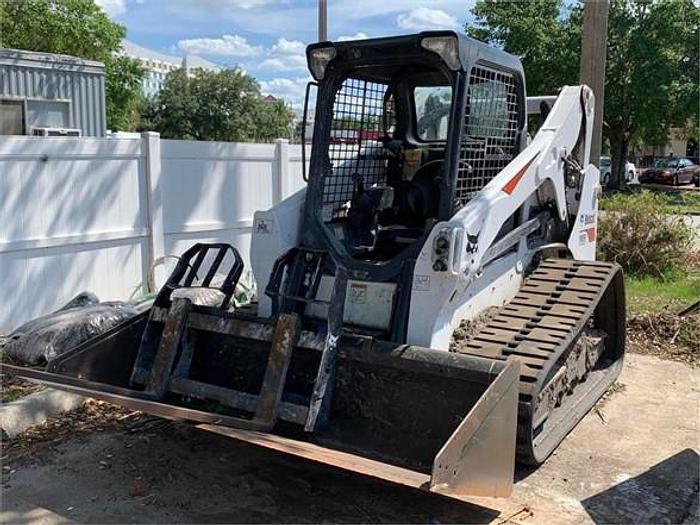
(637,232)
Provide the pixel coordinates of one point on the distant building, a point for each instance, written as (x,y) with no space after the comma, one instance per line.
(46,94)
(680,143)
(158,65)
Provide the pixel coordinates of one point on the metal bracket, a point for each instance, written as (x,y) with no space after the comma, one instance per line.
(319,406)
(164,361)
(283,340)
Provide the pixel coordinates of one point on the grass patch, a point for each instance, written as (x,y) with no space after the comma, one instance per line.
(653,324)
(682,202)
(673,201)
(649,295)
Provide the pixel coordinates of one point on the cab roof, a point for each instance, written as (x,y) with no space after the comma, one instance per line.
(470,50)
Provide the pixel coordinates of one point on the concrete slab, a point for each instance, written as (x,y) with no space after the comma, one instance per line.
(20,511)
(633,460)
(17,416)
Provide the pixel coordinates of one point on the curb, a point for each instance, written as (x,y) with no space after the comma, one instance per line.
(34,409)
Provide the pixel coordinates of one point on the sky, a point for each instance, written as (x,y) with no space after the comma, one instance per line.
(267,38)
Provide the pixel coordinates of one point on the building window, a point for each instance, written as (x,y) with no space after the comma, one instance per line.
(12,117)
(48,114)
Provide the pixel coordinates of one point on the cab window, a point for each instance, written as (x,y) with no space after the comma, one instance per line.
(432,106)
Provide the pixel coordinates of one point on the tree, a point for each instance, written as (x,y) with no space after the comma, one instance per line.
(651,71)
(224,106)
(123,92)
(540,32)
(82,29)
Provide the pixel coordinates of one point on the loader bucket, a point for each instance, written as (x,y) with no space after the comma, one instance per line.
(433,420)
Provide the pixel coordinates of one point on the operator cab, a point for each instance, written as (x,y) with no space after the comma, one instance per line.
(386,149)
(381,172)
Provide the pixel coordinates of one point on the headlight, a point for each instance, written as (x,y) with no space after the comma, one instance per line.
(319,59)
(446,47)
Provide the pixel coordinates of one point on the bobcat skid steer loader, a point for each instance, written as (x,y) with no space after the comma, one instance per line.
(426,213)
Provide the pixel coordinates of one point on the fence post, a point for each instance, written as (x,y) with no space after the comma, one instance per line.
(280,187)
(150,141)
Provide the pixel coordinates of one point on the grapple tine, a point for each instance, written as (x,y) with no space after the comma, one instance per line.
(323,386)
(283,341)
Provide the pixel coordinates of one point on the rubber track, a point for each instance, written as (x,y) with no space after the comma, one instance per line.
(539,325)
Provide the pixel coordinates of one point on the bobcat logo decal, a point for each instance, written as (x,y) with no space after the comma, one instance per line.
(472,242)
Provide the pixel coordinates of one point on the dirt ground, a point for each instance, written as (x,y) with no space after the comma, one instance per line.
(632,460)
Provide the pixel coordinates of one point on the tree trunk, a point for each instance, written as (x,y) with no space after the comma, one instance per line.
(619,147)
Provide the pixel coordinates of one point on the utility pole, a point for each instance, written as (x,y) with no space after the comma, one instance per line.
(322,20)
(592,72)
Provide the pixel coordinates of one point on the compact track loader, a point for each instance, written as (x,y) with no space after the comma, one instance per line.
(430,307)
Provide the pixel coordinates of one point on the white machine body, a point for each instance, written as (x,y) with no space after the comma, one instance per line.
(476,279)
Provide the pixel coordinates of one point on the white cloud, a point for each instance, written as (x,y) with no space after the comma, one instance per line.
(288,47)
(284,86)
(285,63)
(232,4)
(423,18)
(357,36)
(285,55)
(291,90)
(227,45)
(112,7)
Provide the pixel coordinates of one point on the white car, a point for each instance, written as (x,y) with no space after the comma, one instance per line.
(606,167)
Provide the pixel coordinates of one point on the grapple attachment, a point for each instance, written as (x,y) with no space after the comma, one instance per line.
(432,420)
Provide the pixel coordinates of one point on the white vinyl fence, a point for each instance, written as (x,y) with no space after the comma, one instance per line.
(93,214)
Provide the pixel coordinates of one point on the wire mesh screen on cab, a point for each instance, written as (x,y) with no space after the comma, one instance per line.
(490,128)
(355,149)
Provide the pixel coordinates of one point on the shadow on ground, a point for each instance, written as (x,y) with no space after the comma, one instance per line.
(644,498)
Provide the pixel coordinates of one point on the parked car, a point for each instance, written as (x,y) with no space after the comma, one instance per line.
(671,170)
(696,179)
(606,170)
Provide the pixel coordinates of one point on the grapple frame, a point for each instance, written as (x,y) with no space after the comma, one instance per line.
(433,420)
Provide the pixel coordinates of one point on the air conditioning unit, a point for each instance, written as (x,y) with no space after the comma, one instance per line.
(56,132)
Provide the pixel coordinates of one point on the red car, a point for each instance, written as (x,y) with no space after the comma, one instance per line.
(670,170)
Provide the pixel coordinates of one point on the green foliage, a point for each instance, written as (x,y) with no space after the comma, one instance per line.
(539,31)
(71,27)
(682,202)
(348,122)
(652,295)
(82,29)
(652,60)
(637,232)
(676,202)
(223,106)
(651,70)
(123,92)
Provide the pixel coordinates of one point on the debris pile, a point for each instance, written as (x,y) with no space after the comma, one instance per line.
(14,388)
(666,335)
